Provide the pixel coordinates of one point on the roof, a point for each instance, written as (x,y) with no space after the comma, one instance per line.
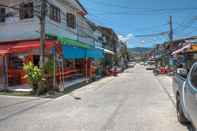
(82,6)
(90,23)
(108,31)
(75,4)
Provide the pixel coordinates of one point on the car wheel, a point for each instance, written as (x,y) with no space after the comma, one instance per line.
(180,115)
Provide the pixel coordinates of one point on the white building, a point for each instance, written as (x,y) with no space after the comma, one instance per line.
(65,18)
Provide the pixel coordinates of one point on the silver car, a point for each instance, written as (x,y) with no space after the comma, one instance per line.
(185,89)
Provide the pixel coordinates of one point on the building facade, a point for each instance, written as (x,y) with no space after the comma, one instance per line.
(21,22)
(20,34)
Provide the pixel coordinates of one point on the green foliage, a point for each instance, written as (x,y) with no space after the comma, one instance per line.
(34,75)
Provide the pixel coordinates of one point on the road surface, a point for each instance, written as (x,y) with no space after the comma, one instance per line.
(134,101)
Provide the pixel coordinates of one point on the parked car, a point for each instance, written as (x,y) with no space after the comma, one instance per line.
(132,64)
(141,63)
(117,69)
(146,63)
(151,65)
(185,90)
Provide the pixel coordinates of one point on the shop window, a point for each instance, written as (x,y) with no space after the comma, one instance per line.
(54,14)
(26,11)
(71,20)
(2,15)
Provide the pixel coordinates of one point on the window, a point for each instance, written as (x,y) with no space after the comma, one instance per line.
(2,14)
(71,20)
(54,14)
(26,11)
(193,76)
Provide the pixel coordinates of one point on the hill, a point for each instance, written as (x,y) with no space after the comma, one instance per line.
(139,50)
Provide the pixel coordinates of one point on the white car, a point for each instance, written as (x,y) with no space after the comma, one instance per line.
(151,65)
(132,64)
(141,63)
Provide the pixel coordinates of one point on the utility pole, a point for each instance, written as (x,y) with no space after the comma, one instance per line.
(171,29)
(142,53)
(42,32)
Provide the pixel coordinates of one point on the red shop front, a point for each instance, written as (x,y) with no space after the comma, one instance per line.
(12,57)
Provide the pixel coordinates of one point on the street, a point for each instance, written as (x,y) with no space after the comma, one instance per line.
(134,101)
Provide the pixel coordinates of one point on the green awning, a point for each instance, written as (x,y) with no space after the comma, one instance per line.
(70,42)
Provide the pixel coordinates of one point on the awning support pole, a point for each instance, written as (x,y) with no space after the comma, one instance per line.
(86,68)
(5,72)
(54,71)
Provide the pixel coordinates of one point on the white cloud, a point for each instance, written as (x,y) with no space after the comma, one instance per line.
(126,38)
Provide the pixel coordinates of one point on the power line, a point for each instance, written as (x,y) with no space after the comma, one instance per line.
(185,26)
(137,11)
(154,34)
(151,27)
(104,12)
(141,9)
(137,29)
(127,13)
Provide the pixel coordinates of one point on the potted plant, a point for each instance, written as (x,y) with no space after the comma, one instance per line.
(34,75)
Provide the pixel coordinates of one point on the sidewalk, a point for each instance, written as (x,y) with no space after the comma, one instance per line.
(166,83)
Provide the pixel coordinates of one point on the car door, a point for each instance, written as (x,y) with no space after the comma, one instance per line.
(177,82)
(190,95)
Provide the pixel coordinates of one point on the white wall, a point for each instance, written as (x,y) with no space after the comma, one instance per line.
(14,28)
(20,30)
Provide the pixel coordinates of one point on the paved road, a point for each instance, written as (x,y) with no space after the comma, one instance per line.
(133,101)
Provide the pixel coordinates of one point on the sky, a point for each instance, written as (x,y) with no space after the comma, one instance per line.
(131,19)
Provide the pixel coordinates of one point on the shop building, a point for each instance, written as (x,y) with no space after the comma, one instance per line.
(110,40)
(66,26)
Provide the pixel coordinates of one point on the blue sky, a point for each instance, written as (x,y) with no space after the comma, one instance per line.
(130,18)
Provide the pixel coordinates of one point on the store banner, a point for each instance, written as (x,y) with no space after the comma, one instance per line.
(70,52)
(95,53)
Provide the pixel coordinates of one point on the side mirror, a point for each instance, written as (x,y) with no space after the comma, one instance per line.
(182,72)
